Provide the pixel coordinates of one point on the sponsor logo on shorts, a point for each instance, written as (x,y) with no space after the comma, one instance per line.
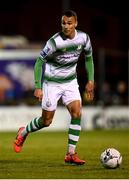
(48,103)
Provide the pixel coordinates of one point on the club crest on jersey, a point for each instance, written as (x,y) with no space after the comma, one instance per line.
(79,47)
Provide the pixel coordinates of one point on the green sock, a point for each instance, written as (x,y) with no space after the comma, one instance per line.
(74,132)
(35,125)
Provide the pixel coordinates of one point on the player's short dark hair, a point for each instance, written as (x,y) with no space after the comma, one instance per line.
(70,13)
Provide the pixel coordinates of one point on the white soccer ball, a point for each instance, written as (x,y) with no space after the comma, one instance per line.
(111,158)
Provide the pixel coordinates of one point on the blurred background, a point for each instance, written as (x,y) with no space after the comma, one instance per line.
(26,25)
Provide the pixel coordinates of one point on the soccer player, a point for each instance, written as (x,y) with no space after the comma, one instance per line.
(60,56)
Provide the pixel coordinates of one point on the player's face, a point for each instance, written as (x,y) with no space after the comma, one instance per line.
(68,26)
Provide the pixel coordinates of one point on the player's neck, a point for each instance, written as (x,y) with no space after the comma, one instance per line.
(71,36)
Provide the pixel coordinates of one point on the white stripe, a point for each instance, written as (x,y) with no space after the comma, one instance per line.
(71,145)
(37,120)
(74,126)
(34,127)
(19,54)
(89,55)
(73,137)
(52,71)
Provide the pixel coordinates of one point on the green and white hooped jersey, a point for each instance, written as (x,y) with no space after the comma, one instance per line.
(61,56)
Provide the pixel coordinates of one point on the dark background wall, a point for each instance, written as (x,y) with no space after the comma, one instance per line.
(105,21)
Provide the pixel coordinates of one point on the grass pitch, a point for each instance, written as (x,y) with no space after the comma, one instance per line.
(43,156)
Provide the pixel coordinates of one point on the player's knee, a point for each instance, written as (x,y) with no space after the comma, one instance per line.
(47,118)
(76,115)
(47,122)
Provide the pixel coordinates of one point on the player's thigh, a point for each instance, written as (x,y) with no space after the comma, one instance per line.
(51,95)
(71,93)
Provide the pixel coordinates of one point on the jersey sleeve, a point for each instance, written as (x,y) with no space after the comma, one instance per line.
(88,47)
(48,49)
(89,65)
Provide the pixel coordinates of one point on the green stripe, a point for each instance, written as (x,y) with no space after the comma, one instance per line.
(76,121)
(27,129)
(72,142)
(74,132)
(71,48)
(61,64)
(35,123)
(31,126)
(53,42)
(60,79)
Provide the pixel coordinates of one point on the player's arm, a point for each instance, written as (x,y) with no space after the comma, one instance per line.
(38,72)
(38,77)
(47,50)
(89,65)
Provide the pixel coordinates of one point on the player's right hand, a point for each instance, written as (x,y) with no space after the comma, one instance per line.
(89,91)
(38,94)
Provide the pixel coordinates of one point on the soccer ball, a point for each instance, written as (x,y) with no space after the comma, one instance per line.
(111,158)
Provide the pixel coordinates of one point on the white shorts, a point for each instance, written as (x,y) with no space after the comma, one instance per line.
(52,92)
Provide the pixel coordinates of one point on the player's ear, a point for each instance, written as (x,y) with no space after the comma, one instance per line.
(76,24)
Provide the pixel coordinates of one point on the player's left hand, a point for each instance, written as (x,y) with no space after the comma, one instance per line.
(38,94)
(89,91)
